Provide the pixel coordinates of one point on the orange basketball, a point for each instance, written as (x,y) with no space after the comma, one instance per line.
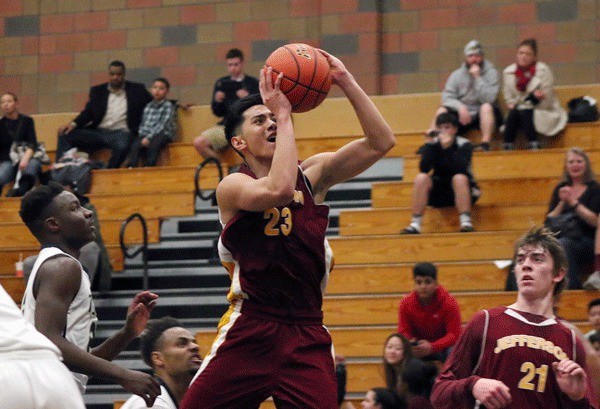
(306,75)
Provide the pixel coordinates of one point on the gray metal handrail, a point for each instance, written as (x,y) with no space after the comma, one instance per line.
(143,249)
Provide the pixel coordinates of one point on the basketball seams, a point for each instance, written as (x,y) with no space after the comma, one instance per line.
(307,90)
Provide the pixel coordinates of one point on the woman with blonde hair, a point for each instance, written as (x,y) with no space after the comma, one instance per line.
(573,213)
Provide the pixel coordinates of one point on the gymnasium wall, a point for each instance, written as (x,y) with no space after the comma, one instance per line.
(51,51)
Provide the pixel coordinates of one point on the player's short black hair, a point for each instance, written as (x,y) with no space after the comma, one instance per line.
(35,203)
(163,80)
(235,53)
(541,236)
(446,118)
(419,376)
(425,270)
(150,338)
(595,302)
(595,337)
(388,399)
(235,117)
(117,63)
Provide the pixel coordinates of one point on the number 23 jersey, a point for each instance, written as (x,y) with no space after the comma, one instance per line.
(279,258)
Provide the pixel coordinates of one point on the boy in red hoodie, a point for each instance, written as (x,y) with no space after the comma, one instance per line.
(429,316)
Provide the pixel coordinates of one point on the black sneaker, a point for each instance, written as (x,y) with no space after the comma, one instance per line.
(410,230)
(533,146)
(508,146)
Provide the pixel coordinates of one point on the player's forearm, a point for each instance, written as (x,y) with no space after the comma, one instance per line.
(77,360)
(377,131)
(284,168)
(113,346)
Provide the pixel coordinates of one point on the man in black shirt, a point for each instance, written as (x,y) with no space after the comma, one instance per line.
(445,177)
(228,89)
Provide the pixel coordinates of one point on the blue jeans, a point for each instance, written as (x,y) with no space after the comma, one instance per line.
(8,171)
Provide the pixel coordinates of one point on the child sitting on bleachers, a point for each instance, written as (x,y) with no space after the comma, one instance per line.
(158,125)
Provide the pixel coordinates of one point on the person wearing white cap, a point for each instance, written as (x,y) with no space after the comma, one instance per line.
(470,93)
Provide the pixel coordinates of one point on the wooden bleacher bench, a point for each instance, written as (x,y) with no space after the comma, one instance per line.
(481,275)
(408,113)
(514,164)
(11,233)
(9,256)
(486,217)
(493,191)
(152,179)
(383,309)
(424,247)
(14,286)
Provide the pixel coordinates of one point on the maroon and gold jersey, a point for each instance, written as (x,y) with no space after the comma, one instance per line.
(516,348)
(279,259)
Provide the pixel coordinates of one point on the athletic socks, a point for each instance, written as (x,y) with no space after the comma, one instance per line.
(415,225)
(466,225)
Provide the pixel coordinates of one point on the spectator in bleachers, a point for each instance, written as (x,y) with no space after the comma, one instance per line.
(573,213)
(21,155)
(528,87)
(429,317)
(172,353)
(212,142)
(396,353)
(419,377)
(594,318)
(110,119)
(595,341)
(158,125)
(445,177)
(593,281)
(380,398)
(470,93)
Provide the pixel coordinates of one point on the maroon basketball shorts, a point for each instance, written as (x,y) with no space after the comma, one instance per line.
(254,357)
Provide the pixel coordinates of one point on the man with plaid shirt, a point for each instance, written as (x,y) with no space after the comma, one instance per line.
(158,125)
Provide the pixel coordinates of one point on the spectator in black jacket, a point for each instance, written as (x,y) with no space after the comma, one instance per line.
(18,147)
(445,177)
(212,142)
(110,119)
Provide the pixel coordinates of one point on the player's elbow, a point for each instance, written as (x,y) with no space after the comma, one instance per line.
(281,194)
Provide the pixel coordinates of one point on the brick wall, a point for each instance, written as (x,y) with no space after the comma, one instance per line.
(51,51)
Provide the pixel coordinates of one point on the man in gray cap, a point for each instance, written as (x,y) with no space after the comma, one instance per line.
(470,93)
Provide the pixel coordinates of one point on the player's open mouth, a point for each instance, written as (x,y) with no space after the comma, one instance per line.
(527,278)
(272,138)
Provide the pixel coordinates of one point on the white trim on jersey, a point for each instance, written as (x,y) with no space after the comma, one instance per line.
(483,338)
(234,313)
(515,314)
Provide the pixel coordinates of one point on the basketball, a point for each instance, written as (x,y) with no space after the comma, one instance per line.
(306,75)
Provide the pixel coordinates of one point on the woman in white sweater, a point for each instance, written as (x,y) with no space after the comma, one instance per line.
(528,87)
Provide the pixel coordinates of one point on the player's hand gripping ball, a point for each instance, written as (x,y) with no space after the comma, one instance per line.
(306,75)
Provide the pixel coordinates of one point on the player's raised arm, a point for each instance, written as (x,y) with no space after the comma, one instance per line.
(326,170)
(263,134)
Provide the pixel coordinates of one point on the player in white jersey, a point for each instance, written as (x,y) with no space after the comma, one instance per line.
(172,353)
(32,375)
(58,300)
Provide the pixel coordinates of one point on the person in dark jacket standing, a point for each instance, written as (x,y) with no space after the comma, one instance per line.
(110,119)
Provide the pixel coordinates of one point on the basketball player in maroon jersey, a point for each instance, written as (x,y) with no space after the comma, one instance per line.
(520,356)
(272,341)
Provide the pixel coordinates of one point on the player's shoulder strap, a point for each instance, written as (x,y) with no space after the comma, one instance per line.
(483,338)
